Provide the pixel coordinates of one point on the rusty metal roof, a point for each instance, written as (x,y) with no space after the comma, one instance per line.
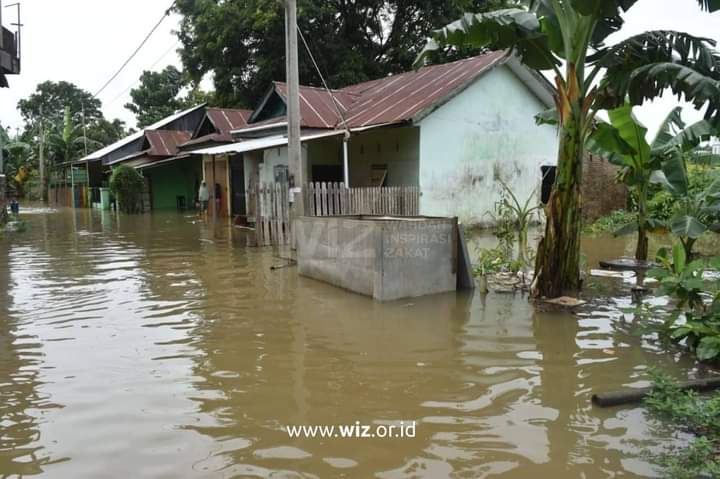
(393,99)
(316,105)
(226,120)
(401,97)
(165,142)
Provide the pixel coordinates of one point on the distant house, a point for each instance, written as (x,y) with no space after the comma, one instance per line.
(152,145)
(9,51)
(451,129)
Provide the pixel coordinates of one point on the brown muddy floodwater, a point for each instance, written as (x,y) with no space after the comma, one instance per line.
(141,347)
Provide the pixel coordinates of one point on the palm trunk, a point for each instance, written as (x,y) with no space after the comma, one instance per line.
(557,266)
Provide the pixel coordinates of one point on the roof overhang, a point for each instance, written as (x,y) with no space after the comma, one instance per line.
(262,143)
(150,163)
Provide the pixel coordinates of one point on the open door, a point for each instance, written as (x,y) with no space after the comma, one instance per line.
(237,181)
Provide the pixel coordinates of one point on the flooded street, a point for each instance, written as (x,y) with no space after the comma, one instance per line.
(142,347)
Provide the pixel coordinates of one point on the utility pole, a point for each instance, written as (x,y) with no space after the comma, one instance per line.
(41,157)
(295,162)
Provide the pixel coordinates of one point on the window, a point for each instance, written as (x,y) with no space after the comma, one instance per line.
(548,180)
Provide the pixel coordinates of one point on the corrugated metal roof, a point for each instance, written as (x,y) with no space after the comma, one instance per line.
(400,97)
(317,109)
(393,99)
(165,142)
(226,120)
(137,135)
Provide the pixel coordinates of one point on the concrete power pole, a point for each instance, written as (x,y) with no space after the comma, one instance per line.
(295,163)
(41,157)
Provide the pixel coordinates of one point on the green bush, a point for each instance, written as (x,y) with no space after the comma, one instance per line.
(612,222)
(127,186)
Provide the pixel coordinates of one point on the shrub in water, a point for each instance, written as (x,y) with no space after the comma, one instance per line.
(127,186)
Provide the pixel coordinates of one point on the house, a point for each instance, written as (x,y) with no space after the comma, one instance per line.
(9,50)
(150,146)
(451,129)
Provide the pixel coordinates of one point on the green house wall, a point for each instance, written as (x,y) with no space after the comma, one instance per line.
(177,178)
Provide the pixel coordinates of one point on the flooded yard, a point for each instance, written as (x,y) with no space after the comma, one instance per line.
(146,347)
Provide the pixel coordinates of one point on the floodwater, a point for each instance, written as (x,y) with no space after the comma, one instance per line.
(145,347)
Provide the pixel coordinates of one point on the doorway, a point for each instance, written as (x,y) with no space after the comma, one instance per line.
(237,186)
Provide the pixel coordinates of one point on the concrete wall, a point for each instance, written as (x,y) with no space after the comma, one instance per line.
(173,179)
(486,132)
(385,259)
(398,148)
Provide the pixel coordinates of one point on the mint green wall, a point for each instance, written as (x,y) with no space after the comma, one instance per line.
(173,179)
(486,132)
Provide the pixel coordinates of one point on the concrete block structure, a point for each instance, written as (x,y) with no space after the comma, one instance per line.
(387,258)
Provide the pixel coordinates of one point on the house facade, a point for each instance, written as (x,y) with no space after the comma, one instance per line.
(452,130)
(455,131)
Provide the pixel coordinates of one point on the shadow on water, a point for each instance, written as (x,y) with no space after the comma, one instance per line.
(176,352)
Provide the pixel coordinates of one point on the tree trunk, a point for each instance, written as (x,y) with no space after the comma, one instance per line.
(641,251)
(557,266)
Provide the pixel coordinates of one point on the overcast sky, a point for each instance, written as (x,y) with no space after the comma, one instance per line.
(86,41)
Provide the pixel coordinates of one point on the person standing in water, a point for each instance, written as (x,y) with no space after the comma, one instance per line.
(203,197)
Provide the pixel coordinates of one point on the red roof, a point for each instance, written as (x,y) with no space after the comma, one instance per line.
(401,97)
(226,120)
(165,142)
(317,109)
(393,99)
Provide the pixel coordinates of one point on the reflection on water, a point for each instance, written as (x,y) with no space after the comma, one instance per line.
(146,346)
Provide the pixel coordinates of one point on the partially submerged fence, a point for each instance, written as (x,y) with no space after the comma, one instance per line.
(334,199)
(272,213)
(271,205)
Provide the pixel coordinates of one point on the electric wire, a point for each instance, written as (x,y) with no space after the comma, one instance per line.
(147,37)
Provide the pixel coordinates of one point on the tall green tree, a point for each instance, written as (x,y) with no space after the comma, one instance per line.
(242,43)
(50,100)
(568,37)
(157,95)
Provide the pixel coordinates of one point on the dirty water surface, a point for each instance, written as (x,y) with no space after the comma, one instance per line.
(147,346)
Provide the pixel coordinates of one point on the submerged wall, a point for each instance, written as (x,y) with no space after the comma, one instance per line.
(387,259)
(486,132)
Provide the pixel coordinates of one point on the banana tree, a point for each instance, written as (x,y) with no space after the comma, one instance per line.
(567,38)
(623,142)
(695,210)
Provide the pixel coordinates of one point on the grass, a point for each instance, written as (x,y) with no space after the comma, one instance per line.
(689,412)
(610,222)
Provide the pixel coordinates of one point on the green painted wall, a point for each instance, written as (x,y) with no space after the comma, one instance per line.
(177,178)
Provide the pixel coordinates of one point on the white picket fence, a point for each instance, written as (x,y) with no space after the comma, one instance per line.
(334,199)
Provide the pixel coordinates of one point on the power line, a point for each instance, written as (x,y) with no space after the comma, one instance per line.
(147,37)
(134,82)
(322,78)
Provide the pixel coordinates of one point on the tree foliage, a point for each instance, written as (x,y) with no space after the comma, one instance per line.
(53,98)
(157,95)
(568,37)
(243,42)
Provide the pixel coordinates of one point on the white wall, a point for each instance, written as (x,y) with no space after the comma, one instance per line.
(395,147)
(487,131)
